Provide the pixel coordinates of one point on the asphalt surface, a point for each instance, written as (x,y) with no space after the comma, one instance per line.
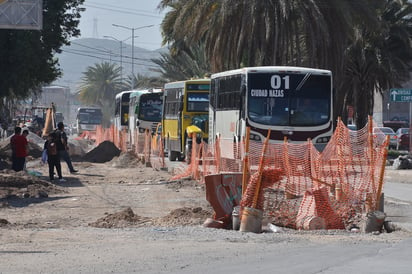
(194,249)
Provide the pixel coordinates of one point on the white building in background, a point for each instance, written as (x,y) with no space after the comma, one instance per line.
(63,100)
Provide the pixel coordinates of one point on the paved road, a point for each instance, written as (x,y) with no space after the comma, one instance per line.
(399,191)
(202,250)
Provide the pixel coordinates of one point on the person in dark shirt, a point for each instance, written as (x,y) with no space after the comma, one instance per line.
(53,159)
(62,146)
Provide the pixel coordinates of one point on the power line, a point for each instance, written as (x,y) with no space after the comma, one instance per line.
(119,7)
(122,11)
(105,58)
(106,51)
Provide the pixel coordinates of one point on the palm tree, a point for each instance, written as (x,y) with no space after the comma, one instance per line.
(253,32)
(99,86)
(365,43)
(184,64)
(144,82)
(377,61)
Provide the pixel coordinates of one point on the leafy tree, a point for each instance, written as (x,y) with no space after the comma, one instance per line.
(378,60)
(99,87)
(252,32)
(144,82)
(185,64)
(365,43)
(27,56)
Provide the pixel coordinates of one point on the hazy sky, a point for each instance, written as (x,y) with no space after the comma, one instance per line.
(99,16)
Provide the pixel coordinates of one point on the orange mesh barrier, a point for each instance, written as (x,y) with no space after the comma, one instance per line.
(140,142)
(157,159)
(112,134)
(88,135)
(301,187)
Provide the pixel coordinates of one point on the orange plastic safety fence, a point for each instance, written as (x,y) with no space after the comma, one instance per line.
(139,143)
(118,137)
(157,159)
(302,187)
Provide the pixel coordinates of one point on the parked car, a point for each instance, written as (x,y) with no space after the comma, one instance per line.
(382,132)
(402,140)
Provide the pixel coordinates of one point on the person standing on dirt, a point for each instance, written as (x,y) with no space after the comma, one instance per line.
(19,149)
(53,158)
(62,146)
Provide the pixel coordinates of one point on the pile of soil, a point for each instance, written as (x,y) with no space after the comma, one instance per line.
(104,152)
(125,160)
(21,185)
(125,218)
(178,217)
(35,149)
(184,216)
(79,147)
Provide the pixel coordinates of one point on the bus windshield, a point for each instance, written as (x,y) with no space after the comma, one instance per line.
(290,99)
(197,102)
(90,116)
(87,118)
(150,108)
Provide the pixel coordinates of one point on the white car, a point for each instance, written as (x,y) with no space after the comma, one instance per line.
(382,132)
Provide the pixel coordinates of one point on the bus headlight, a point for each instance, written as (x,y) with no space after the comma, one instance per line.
(141,130)
(255,137)
(323,140)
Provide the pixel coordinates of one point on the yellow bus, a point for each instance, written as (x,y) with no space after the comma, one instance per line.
(185,117)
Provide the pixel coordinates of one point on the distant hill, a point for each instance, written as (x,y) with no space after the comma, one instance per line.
(86,52)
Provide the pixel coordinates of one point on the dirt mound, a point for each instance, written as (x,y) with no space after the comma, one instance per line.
(178,217)
(125,218)
(5,150)
(79,147)
(35,150)
(104,152)
(22,185)
(127,159)
(184,216)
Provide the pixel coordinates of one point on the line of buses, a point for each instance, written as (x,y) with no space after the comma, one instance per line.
(292,102)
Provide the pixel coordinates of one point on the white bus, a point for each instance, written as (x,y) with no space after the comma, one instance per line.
(121,110)
(88,118)
(145,112)
(293,102)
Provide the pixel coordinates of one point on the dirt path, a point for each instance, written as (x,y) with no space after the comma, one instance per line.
(98,191)
(155,227)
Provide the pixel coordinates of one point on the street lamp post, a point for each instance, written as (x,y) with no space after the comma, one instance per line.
(121,52)
(132,29)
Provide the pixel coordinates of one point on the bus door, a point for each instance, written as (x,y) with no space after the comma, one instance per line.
(180,120)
